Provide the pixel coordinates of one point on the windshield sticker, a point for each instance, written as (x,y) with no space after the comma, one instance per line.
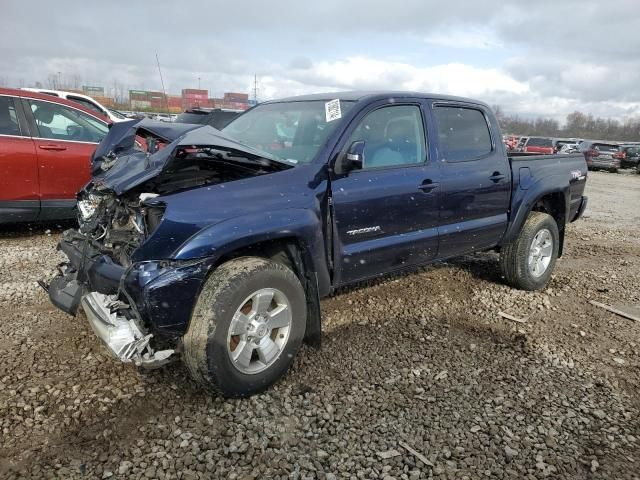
(332,110)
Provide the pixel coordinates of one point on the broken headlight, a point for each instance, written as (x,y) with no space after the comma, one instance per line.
(88,206)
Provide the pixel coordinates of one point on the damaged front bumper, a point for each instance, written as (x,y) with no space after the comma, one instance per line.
(86,270)
(91,279)
(122,336)
(127,307)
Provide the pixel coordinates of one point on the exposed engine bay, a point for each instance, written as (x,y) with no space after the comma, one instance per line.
(123,204)
(120,223)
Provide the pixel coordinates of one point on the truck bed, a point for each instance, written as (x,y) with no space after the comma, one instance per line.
(534,171)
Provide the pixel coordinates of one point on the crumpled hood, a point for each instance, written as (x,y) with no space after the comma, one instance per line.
(121,137)
(133,167)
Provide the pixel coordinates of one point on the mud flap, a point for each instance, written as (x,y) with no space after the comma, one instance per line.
(313,332)
(65,292)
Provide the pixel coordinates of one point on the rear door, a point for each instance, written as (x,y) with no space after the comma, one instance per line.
(476,178)
(19,192)
(386,214)
(65,140)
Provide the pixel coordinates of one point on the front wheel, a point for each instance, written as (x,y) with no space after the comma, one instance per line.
(246,328)
(527,263)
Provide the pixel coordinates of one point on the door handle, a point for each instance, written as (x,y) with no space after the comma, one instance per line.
(496,177)
(428,185)
(57,148)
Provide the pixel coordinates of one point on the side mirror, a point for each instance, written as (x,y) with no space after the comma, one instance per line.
(352,160)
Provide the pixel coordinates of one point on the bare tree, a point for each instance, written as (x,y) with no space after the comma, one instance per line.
(52,81)
(76,81)
(577,125)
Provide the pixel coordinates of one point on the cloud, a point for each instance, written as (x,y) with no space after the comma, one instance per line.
(465,38)
(546,57)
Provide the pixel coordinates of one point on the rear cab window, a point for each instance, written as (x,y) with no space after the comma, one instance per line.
(463,133)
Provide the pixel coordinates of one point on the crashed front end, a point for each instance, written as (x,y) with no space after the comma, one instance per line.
(100,276)
(138,299)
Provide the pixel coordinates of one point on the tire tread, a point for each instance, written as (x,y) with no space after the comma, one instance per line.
(513,255)
(224,281)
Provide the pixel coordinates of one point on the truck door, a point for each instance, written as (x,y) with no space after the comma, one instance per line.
(65,141)
(476,179)
(386,214)
(19,193)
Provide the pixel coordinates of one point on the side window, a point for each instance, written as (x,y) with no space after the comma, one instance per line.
(86,104)
(463,133)
(59,122)
(393,136)
(8,118)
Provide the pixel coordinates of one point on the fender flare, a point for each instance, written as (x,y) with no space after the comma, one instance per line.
(529,197)
(302,225)
(225,237)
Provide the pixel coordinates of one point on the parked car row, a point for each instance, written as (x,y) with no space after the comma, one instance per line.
(599,155)
(541,145)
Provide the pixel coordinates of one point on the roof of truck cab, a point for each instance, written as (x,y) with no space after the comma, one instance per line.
(372,96)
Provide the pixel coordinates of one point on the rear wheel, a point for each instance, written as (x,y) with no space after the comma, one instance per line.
(247,326)
(528,262)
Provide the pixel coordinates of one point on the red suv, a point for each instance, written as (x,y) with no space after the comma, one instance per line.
(45,148)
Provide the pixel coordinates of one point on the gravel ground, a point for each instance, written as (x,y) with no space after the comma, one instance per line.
(420,360)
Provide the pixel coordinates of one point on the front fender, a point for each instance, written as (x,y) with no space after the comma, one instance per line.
(524,199)
(225,237)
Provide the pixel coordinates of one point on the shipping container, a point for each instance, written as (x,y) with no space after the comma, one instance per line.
(89,90)
(188,103)
(140,104)
(236,97)
(105,101)
(137,95)
(174,101)
(195,90)
(195,93)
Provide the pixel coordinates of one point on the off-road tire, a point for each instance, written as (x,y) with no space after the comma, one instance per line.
(515,255)
(206,343)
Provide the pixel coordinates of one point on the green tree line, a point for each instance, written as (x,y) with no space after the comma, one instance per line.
(577,125)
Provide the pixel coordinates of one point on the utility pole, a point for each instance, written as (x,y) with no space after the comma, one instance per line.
(198,83)
(164,92)
(255,88)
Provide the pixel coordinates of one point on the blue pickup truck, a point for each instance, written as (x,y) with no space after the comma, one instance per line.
(215,246)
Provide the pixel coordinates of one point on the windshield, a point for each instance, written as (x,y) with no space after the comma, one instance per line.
(603,147)
(288,131)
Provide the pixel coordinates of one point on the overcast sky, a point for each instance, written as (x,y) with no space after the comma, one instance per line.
(544,57)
